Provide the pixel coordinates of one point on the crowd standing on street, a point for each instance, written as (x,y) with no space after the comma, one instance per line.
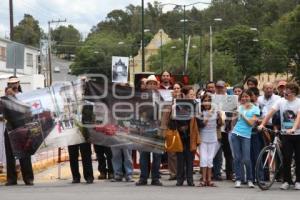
(217,135)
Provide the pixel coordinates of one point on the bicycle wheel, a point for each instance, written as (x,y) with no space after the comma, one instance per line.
(266,168)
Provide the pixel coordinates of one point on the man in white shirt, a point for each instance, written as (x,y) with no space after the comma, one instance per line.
(267,100)
(222,90)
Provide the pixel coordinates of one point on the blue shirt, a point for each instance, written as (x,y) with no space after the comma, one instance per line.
(242,128)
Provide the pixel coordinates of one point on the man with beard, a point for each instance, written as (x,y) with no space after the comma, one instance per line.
(166,81)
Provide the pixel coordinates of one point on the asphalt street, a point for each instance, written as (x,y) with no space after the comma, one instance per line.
(48,187)
(64,66)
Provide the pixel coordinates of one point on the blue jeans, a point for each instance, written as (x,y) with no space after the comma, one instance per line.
(145,163)
(241,152)
(118,163)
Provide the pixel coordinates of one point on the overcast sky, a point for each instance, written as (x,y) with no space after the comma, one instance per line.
(82,14)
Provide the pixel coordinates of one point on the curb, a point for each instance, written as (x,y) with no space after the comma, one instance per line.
(40,166)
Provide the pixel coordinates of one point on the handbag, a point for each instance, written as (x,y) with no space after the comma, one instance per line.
(173,141)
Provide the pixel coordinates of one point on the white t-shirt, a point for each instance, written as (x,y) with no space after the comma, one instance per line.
(209,132)
(266,104)
(288,113)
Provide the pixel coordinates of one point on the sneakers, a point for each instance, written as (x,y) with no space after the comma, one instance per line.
(238,184)
(297,186)
(129,179)
(250,184)
(285,186)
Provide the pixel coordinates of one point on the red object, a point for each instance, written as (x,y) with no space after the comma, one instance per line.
(108,129)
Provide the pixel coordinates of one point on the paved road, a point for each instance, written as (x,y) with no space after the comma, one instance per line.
(64,68)
(47,187)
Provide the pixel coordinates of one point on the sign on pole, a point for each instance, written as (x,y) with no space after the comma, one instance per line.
(120,69)
(15,55)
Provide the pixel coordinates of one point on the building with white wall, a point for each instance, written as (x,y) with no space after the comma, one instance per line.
(28,75)
(30,60)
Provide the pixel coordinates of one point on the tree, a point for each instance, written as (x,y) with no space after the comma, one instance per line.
(28,31)
(95,54)
(240,42)
(198,62)
(67,39)
(289,29)
(284,37)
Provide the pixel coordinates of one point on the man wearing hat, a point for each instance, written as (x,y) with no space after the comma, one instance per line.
(14,83)
(281,88)
(151,86)
(25,161)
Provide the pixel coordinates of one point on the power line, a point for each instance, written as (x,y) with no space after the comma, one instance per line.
(49,45)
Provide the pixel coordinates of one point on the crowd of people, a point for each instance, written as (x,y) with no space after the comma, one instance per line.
(217,135)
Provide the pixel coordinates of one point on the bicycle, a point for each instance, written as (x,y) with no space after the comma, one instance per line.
(269,162)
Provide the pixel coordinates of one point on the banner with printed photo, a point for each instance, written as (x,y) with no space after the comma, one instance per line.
(43,118)
(185,109)
(123,117)
(119,69)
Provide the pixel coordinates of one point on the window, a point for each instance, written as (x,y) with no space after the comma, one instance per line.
(2,53)
(29,60)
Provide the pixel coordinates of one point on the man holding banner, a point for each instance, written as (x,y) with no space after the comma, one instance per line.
(152,86)
(15,119)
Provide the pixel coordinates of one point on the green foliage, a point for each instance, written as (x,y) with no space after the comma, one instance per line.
(241,42)
(28,31)
(66,38)
(239,52)
(95,55)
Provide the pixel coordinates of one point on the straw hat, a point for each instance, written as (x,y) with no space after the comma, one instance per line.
(151,78)
(13,80)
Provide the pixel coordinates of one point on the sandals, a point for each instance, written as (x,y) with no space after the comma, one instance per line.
(210,184)
(202,184)
(207,184)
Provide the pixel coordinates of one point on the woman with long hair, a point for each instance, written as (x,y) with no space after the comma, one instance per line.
(241,137)
(189,134)
(209,141)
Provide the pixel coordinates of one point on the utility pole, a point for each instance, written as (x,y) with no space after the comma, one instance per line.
(50,79)
(11,19)
(184,52)
(161,53)
(49,48)
(211,78)
(143,42)
(11,24)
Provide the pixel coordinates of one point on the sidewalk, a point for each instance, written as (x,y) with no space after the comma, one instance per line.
(43,161)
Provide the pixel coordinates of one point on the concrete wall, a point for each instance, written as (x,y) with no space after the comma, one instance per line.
(28,70)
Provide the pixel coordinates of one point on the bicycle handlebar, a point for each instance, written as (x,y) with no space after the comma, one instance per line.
(275,132)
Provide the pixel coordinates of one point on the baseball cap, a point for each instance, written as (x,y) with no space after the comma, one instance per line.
(281,83)
(220,83)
